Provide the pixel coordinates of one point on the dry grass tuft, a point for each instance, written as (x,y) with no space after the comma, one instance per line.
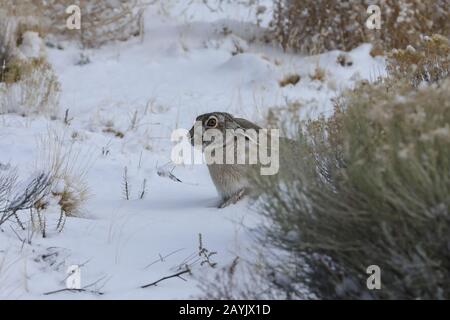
(290,79)
(319,74)
(116,133)
(31,87)
(376,51)
(68,169)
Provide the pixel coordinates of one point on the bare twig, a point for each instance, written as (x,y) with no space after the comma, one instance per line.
(164,171)
(175,275)
(74,291)
(143,190)
(37,189)
(84,289)
(61,221)
(161,258)
(205,254)
(67,120)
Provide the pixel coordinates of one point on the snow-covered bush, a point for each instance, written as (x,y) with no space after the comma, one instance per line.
(34,89)
(28,84)
(372,188)
(319,25)
(68,168)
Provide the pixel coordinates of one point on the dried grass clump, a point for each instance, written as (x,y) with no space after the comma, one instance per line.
(318,74)
(71,194)
(429,62)
(372,188)
(68,168)
(117,133)
(314,26)
(290,79)
(31,87)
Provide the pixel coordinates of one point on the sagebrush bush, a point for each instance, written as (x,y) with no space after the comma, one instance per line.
(372,188)
(101,21)
(429,62)
(315,26)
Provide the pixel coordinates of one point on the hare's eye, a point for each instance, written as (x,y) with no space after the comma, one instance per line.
(212,122)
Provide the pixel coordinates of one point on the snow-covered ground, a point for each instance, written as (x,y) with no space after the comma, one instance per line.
(145,88)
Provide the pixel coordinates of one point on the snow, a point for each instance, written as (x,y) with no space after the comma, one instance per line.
(146,88)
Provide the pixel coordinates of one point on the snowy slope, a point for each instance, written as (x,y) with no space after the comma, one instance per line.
(144,89)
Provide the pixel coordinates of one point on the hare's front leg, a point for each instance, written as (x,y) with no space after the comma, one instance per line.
(233,199)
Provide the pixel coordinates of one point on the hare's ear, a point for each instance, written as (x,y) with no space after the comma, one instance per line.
(245,124)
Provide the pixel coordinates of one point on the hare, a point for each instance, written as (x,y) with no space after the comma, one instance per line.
(232,180)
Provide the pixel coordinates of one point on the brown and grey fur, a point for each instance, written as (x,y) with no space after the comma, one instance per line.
(230,180)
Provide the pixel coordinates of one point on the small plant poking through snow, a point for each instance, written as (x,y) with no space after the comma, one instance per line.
(203,257)
(143,189)
(205,254)
(318,74)
(117,133)
(71,193)
(126,184)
